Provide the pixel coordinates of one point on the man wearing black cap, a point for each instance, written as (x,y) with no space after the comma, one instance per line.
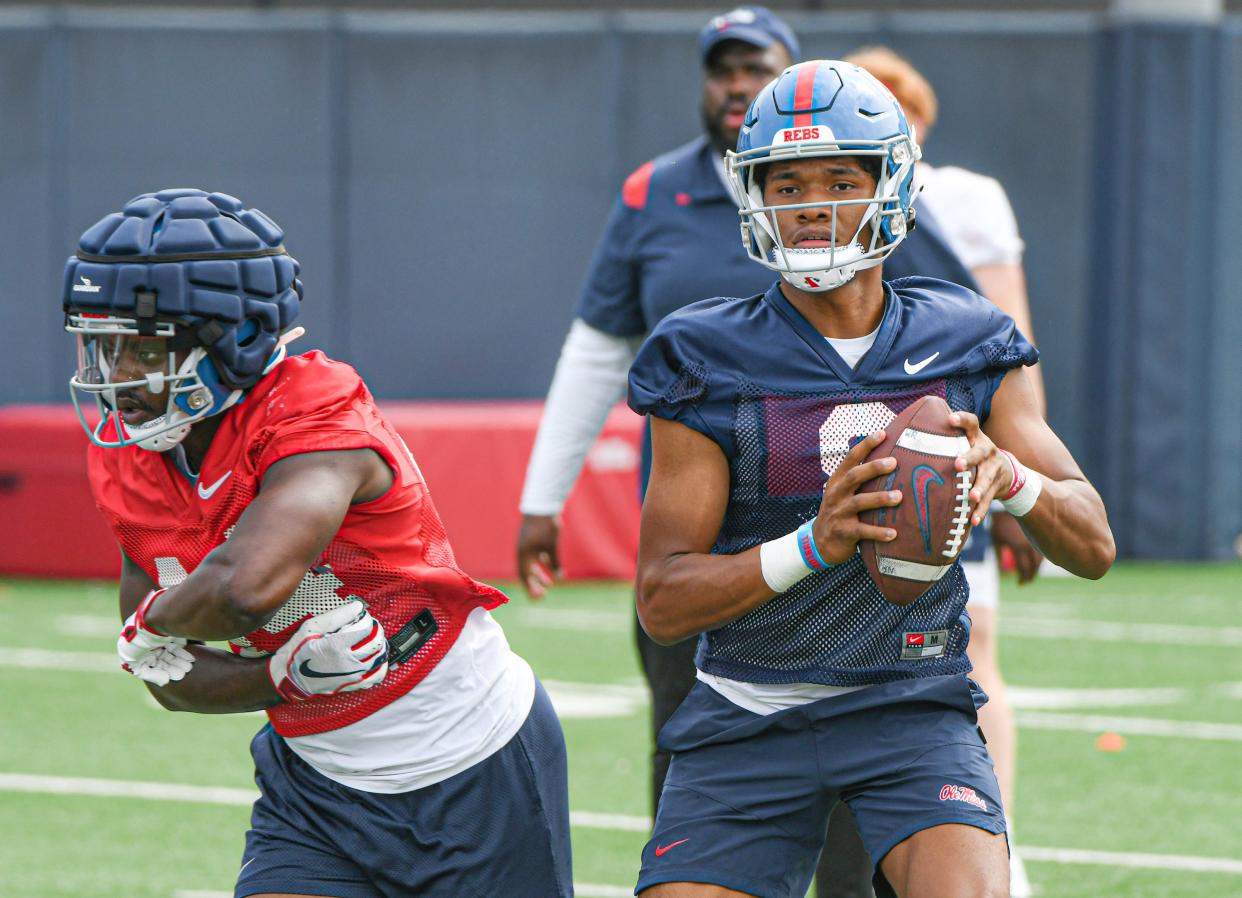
(672,239)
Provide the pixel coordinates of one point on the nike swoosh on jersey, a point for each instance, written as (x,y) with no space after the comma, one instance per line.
(661,849)
(211,490)
(307,671)
(919,366)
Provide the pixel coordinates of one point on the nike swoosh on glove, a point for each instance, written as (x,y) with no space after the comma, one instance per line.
(341,650)
(148,654)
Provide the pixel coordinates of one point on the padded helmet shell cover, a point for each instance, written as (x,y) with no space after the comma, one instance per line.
(200,260)
(208,277)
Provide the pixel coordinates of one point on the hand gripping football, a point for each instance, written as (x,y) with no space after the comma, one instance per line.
(933,518)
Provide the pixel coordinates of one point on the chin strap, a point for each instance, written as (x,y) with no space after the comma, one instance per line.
(278,355)
(808,269)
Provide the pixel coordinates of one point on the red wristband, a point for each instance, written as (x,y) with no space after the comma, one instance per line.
(140,616)
(1019,475)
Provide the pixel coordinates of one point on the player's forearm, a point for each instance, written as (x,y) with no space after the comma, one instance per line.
(222,600)
(220,683)
(683,595)
(1070,526)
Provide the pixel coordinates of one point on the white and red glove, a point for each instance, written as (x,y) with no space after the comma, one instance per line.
(148,654)
(338,651)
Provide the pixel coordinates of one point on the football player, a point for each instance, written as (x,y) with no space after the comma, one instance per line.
(263,499)
(671,239)
(763,413)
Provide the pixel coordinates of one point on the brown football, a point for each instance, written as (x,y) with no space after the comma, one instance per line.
(933,519)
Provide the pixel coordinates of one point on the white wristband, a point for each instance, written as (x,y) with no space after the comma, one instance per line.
(776,557)
(780,562)
(1024,499)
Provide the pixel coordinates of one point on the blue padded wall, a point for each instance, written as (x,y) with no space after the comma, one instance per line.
(1163,383)
(443,179)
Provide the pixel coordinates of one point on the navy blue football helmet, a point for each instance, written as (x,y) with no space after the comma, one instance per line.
(816,109)
(183,299)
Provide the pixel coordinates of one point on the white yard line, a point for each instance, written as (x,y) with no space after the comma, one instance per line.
(91,625)
(575,700)
(599,890)
(1117,631)
(1141,726)
(1025,619)
(224,795)
(1030,697)
(220,795)
(578,620)
(630,823)
(101,788)
(1034,622)
(1127,859)
(46,659)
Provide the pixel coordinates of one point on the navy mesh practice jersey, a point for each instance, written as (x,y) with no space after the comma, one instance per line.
(756,378)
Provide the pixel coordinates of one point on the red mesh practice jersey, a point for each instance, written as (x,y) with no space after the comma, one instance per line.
(391,552)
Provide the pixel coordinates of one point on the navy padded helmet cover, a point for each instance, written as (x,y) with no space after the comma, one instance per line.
(205,258)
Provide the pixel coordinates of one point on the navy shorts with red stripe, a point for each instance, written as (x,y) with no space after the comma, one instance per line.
(748,796)
(501,827)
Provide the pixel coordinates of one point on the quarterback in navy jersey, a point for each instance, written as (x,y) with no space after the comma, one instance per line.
(764,411)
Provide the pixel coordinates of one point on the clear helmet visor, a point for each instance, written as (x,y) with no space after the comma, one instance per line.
(148,389)
(143,390)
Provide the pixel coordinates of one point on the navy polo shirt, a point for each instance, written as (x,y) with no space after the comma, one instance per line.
(673,238)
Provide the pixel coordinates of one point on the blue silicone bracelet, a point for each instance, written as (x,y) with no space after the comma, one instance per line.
(810,552)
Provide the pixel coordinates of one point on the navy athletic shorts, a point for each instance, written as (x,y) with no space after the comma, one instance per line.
(748,796)
(499,828)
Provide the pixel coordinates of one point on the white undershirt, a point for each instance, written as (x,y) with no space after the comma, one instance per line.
(467,708)
(852,349)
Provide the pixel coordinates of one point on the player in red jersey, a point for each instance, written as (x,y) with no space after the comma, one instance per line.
(264,500)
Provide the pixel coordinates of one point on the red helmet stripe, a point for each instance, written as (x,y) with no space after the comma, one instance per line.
(804,94)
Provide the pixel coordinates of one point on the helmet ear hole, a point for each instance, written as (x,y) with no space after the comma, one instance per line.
(248,333)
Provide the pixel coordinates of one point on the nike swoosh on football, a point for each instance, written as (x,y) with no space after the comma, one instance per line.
(919,366)
(307,671)
(661,849)
(211,490)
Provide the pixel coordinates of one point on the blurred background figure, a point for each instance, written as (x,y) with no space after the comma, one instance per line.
(672,239)
(973,214)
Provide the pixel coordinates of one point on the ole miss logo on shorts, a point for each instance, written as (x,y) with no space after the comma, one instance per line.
(962,793)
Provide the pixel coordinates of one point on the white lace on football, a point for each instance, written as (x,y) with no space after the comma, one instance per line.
(961,515)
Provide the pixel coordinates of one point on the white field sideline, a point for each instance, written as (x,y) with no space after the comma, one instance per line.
(62,785)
